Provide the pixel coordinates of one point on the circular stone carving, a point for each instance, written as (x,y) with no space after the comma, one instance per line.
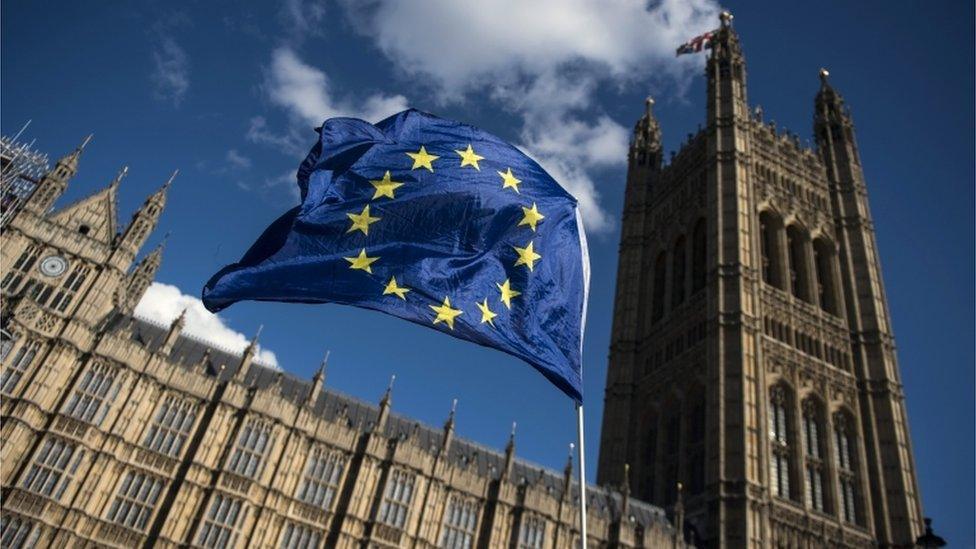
(53,266)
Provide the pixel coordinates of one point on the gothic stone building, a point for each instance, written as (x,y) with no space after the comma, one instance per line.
(118,432)
(752,356)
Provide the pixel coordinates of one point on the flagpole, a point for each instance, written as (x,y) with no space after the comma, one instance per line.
(582,473)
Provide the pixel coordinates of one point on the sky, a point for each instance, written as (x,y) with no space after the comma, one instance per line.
(230,94)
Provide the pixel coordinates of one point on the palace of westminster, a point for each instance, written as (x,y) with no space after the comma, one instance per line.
(752,397)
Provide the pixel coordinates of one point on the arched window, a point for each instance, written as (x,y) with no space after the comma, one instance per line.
(672,449)
(770,227)
(779,441)
(813,474)
(845,446)
(660,268)
(797,255)
(699,256)
(823,258)
(678,272)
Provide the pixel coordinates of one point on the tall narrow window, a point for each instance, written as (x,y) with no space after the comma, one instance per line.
(672,447)
(660,275)
(136,500)
(779,441)
(171,426)
(93,395)
(460,523)
(699,256)
(844,453)
(532,532)
(321,480)
(6,344)
(823,257)
(678,273)
(299,536)
(18,532)
(69,288)
(222,523)
(813,476)
(14,372)
(15,276)
(397,498)
(796,242)
(770,228)
(252,446)
(54,465)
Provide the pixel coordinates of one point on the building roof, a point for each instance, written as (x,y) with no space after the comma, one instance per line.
(332,405)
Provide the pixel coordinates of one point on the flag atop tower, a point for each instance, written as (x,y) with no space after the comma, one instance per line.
(436,222)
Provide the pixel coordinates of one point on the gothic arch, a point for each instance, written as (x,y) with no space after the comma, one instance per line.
(825,271)
(797,261)
(771,248)
(679,262)
(781,440)
(813,433)
(659,286)
(699,255)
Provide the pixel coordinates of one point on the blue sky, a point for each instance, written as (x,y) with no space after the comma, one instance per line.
(229,96)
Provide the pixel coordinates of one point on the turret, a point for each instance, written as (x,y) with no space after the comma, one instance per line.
(568,473)
(318,382)
(55,182)
(175,329)
(145,219)
(509,454)
(645,146)
(449,430)
(385,404)
(248,357)
(139,280)
(726,71)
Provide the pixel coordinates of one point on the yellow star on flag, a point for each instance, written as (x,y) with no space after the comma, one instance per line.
(532,216)
(385,186)
(445,313)
(422,160)
(470,158)
(527,256)
(361,262)
(392,288)
(361,222)
(507,293)
(509,180)
(486,314)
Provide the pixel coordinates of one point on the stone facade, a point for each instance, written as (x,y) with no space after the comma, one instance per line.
(752,356)
(118,432)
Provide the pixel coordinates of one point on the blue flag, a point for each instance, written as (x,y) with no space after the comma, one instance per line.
(436,222)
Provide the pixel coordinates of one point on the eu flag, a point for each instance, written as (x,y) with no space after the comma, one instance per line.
(436,222)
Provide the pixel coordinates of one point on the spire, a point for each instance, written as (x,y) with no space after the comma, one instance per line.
(248,357)
(625,491)
(146,217)
(726,70)
(55,182)
(568,472)
(318,382)
(509,453)
(679,514)
(120,176)
(140,279)
(175,328)
(385,404)
(449,428)
(645,146)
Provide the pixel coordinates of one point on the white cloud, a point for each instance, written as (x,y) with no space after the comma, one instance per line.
(545,61)
(236,160)
(171,70)
(302,18)
(162,303)
(304,91)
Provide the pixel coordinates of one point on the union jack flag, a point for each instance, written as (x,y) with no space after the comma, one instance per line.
(697,44)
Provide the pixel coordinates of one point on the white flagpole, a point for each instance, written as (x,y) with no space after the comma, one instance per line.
(582,473)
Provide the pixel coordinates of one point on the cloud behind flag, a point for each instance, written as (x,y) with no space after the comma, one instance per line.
(436,222)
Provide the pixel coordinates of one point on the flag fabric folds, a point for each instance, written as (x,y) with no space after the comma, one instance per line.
(696,44)
(435,222)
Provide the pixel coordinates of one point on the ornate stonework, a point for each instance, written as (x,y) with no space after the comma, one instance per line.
(752,358)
